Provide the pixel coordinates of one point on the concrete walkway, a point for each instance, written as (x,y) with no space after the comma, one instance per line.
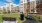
(29,21)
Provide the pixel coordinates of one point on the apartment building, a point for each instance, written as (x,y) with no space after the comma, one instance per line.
(11,8)
(30,4)
(33,6)
(25,5)
(21,6)
(4,9)
(39,6)
(7,8)
(0,8)
(17,8)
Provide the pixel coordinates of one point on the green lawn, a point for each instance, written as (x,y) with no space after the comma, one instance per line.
(37,16)
(10,15)
(0,11)
(17,17)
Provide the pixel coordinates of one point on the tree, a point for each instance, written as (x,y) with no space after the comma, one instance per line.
(8,11)
(27,10)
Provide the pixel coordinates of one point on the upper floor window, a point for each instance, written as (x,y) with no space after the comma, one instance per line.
(11,5)
(21,1)
(28,0)
(24,0)
(21,5)
(38,1)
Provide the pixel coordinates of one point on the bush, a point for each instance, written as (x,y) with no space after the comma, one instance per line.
(8,11)
(4,12)
(40,20)
(39,17)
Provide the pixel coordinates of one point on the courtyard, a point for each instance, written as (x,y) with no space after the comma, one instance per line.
(10,15)
(16,15)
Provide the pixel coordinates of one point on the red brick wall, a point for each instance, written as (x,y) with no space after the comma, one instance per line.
(25,7)
(39,8)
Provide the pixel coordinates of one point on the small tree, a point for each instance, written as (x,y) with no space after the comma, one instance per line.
(8,11)
(27,10)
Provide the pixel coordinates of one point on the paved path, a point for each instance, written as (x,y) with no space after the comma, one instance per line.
(32,21)
(29,21)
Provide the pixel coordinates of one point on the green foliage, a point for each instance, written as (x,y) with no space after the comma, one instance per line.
(40,20)
(27,10)
(12,16)
(8,11)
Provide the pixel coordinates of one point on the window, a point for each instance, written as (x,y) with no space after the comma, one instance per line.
(32,10)
(21,9)
(28,6)
(17,8)
(4,9)
(24,0)
(12,8)
(11,5)
(28,0)
(37,1)
(21,4)
(21,1)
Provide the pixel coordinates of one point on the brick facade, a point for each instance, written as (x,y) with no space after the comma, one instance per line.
(25,7)
(39,7)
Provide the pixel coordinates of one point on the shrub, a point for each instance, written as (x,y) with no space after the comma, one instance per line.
(4,12)
(40,20)
(8,11)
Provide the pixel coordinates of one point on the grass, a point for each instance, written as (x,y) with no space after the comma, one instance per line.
(17,17)
(10,15)
(0,11)
(37,16)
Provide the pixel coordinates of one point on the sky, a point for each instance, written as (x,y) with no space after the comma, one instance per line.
(5,2)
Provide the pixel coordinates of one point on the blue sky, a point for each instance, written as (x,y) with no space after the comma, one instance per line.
(4,2)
